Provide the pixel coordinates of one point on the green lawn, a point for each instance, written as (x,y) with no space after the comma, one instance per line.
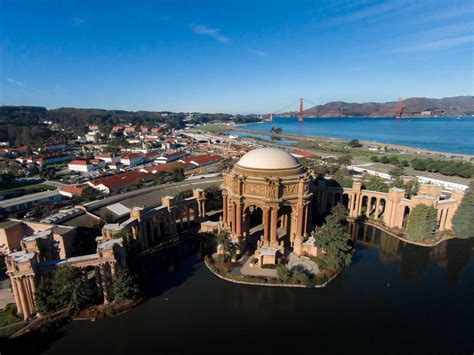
(213,128)
(8,315)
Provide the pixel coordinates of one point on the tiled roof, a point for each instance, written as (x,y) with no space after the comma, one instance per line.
(202,159)
(117,181)
(168,167)
(73,190)
(78,162)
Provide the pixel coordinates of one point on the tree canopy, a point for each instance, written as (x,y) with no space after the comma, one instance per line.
(64,288)
(421,223)
(333,238)
(124,286)
(463,220)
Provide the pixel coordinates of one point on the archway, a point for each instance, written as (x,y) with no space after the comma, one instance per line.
(252,224)
(284,225)
(381,208)
(345,200)
(373,207)
(406,212)
(364,205)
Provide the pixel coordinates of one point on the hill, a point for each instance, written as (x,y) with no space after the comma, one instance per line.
(411,107)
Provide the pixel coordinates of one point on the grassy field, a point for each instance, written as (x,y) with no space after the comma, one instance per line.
(213,128)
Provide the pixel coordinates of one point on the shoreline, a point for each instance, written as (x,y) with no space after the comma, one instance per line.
(370,223)
(299,137)
(229,279)
(408,241)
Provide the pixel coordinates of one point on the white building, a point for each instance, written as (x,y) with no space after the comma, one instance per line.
(108,158)
(131,159)
(82,166)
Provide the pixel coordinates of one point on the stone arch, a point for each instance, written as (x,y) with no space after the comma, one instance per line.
(372,207)
(285,224)
(406,212)
(440,217)
(252,218)
(382,206)
(345,200)
(364,204)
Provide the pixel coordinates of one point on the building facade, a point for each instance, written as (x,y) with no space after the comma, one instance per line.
(269,189)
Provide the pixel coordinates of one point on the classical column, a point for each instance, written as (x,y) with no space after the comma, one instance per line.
(238,222)
(232,217)
(29,294)
(299,225)
(16,295)
(224,209)
(265,225)
(273,227)
(306,219)
(24,305)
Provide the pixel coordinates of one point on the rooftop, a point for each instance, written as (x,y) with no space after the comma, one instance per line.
(268,159)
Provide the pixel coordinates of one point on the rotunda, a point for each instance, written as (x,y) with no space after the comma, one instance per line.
(267,197)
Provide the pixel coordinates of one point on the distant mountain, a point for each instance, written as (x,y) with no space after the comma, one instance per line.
(411,107)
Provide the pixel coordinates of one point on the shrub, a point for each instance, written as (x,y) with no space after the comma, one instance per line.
(463,221)
(374,158)
(269,266)
(354,143)
(421,223)
(384,160)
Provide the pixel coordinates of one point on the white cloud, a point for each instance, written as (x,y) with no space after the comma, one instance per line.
(366,13)
(437,44)
(211,32)
(258,52)
(16,82)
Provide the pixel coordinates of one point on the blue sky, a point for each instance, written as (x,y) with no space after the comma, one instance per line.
(232,56)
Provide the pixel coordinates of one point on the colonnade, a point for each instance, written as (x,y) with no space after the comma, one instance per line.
(390,207)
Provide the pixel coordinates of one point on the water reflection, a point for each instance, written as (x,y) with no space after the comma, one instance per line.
(414,260)
(394,298)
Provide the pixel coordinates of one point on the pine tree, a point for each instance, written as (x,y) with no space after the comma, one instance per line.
(463,220)
(44,298)
(124,286)
(334,240)
(421,223)
(70,288)
(64,288)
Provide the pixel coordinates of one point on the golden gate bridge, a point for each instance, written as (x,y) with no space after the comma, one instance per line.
(300,114)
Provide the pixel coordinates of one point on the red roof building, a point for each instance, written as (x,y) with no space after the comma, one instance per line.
(118,182)
(71,191)
(202,160)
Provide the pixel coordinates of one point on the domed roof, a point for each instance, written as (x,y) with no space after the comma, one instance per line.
(268,159)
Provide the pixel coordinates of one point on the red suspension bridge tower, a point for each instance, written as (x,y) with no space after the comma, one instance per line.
(399,108)
(300,114)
